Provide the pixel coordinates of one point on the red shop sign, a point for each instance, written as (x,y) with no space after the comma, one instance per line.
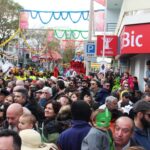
(134,39)
(111,45)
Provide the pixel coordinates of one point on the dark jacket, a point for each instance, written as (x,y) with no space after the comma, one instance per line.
(71,139)
(102,96)
(142,137)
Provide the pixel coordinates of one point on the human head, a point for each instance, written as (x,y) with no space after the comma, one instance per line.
(125,98)
(64,100)
(14,111)
(80,111)
(123,131)
(74,96)
(10,140)
(88,98)
(106,85)
(101,118)
(31,140)
(20,83)
(141,111)
(26,121)
(3,94)
(111,102)
(60,84)
(148,64)
(146,97)
(9,99)
(20,96)
(47,92)
(94,84)
(52,109)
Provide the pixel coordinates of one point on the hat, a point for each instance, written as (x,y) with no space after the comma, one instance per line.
(141,106)
(80,111)
(31,140)
(54,79)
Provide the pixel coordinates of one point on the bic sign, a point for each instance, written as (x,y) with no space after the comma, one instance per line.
(134,39)
(90,48)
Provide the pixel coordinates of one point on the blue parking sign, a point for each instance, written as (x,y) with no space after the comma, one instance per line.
(90,48)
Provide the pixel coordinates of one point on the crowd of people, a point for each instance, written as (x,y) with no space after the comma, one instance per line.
(42,111)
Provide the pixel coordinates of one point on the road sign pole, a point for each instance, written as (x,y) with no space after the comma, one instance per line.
(89,34)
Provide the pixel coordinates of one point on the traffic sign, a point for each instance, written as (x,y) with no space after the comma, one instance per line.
(90,48)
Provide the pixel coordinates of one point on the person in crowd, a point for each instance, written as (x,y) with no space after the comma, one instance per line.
(40,84)
(75,96)
(31,140)
(9,99)
(98,138)
(95,89)
(125,104)
(124,127)
(136,84)
(127,78)
(112,104)
(64,100)
(71,139)
(27,121)
(13,113)
(88,99)
(21,96)
(141,134)
(60,85)
(3,94)
(45,96)
(146,97)
(147,78)
(104,92)
(85,88)
(10,140)
(49,129)
(64,118)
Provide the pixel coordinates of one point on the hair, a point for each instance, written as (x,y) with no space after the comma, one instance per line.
(145,95)
(135,148)
(56,106)
(61,84)
(31,118)
(110,99)
(148,62)
(16,138)
(24,92)
(80,110)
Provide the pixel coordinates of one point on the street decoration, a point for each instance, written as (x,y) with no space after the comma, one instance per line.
(56,15)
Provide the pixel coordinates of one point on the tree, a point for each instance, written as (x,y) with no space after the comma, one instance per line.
(9,18)
(69,52)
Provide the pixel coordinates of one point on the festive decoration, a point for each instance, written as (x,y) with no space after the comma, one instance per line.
(58,15)
(78,67)
(8,40)
(103,118)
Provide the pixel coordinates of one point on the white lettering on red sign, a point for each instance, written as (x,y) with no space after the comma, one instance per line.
(131,40)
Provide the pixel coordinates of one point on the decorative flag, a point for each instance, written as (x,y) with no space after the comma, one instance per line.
(102,2)
(50,35)
(23,21)
(99,21)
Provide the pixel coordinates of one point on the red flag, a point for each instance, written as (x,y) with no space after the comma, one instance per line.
(102,2)
(99,21)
